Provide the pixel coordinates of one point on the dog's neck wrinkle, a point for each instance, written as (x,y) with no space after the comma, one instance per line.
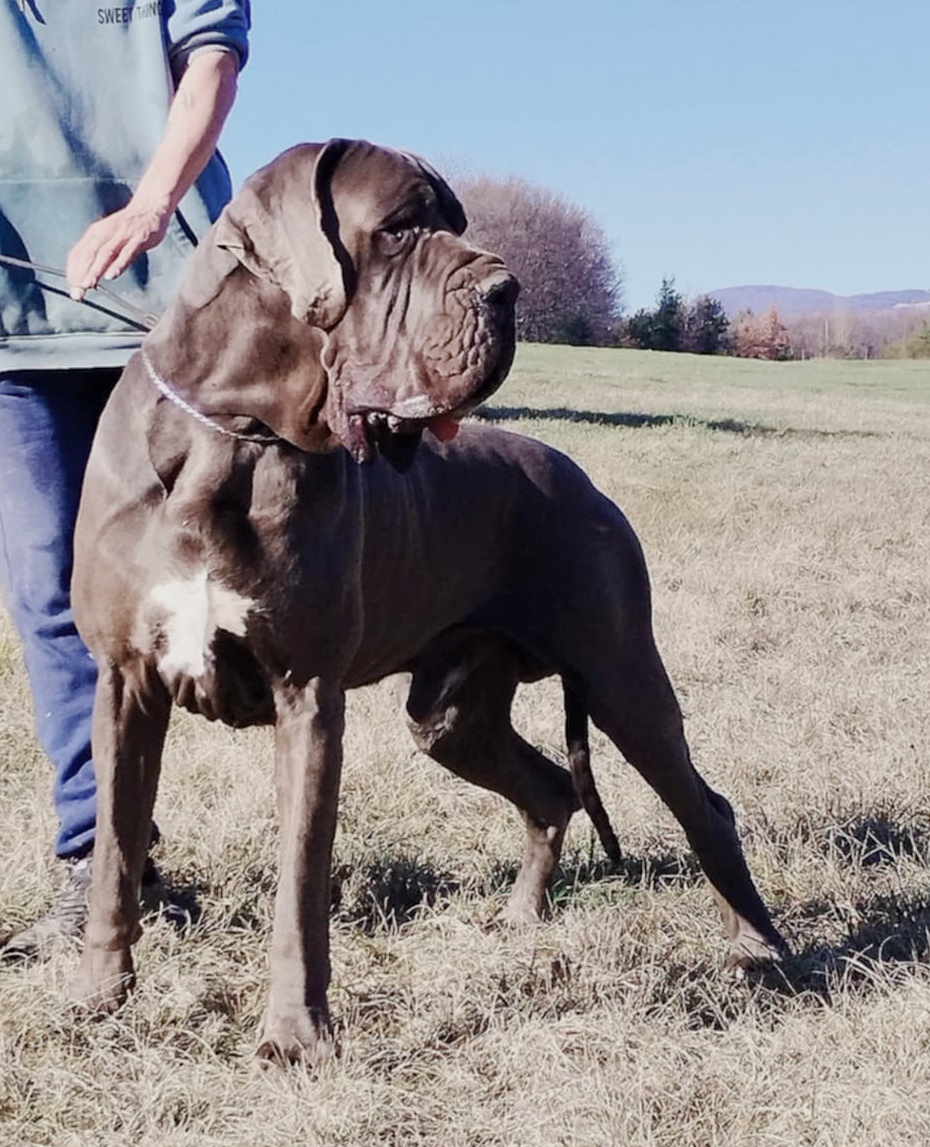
(243,355)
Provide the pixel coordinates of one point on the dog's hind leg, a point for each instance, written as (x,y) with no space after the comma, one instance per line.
(459,713)
(637,708)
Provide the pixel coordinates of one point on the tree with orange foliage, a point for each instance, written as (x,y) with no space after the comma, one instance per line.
(761,336)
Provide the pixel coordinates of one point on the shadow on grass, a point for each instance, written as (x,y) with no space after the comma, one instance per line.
(887,947)
(875,840)
(887,934)
(653,871)
(629,420)
(189,894)
(890,936)
(386,894)
(378,896)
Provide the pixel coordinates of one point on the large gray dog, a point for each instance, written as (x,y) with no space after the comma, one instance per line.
(235,558)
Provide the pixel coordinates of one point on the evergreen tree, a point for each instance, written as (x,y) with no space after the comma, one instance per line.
(706,327)
(669,319)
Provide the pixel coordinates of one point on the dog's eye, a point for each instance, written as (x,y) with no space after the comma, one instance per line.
(396,237)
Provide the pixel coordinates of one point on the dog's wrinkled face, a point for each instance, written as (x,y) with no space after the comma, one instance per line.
(366,243)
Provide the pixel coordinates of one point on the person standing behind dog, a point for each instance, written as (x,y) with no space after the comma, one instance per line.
(111,117)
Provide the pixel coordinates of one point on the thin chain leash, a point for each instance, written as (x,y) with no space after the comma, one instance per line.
(203,419)
(144,320)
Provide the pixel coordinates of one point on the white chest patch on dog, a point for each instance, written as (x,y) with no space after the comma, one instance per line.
(194,609)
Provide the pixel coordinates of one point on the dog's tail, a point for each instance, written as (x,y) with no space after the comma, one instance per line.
(579,761)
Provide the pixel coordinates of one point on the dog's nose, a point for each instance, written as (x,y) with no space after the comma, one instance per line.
(500,290)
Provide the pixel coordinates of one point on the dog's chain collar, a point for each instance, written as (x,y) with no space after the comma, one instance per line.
(203,419)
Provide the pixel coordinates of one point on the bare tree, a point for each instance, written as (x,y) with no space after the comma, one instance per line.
(857,334)
(570,288)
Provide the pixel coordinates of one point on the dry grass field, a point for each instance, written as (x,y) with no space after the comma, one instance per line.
(785,514)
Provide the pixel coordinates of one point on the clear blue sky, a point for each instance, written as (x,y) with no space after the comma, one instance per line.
(722,142)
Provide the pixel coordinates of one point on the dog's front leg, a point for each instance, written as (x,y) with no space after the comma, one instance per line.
(130,721)
(308,763)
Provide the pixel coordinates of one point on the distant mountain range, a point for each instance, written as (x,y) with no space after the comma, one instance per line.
(797,301)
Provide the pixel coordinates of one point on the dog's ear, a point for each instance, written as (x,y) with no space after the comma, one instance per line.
(449,205)
(282,227)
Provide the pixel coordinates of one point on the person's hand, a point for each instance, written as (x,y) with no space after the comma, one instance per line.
(205,94)
(110,244)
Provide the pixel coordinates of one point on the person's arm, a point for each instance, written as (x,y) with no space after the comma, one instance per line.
(203,99)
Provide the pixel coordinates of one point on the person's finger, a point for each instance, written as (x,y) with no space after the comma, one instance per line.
(103,260)
(132,247)
(83,259)
(110,245)
(94,255)
(79,260)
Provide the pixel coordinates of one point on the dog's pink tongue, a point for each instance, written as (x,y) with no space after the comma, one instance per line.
(444,427)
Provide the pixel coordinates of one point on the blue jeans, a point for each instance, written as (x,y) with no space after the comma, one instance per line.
(47,424)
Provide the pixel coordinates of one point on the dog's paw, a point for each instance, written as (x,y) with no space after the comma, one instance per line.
(105,976)
(750,951)
(524,911)
(303,1037)
(102,987)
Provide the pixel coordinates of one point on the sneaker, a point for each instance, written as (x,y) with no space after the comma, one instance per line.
(65,920)
(67,917)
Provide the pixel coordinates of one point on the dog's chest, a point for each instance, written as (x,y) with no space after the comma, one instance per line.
(195,628)
(185,614)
